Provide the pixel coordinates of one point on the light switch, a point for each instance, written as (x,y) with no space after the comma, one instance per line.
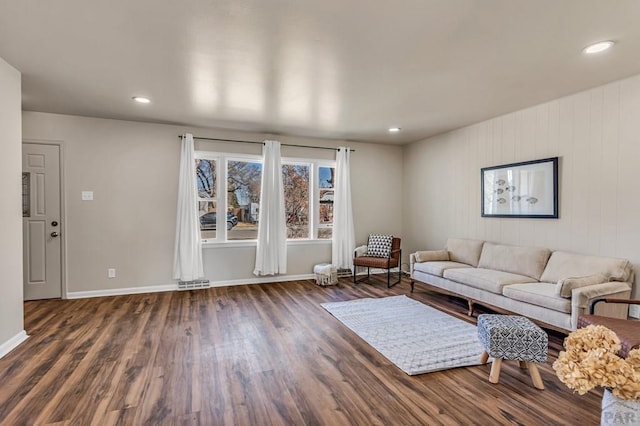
(87,195)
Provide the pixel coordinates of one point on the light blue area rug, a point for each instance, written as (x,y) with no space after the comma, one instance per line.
(415,337)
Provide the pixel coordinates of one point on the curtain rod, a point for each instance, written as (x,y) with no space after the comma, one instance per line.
(262,143)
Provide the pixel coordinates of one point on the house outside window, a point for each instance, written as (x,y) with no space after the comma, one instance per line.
(243,198)
(326,177)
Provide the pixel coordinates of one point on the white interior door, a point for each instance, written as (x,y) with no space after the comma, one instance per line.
(41,227)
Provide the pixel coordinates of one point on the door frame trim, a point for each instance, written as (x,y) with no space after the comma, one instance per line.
(63,209)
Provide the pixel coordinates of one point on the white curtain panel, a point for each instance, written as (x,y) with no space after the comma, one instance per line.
(271,252)
(187,259)
(343,239)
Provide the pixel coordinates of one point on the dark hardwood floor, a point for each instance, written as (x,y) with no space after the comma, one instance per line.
(252,355)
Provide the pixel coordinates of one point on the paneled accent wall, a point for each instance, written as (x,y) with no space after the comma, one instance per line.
(595,133)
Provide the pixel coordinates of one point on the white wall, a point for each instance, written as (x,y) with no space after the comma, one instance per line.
(11,323)
(133,167)
(595,133)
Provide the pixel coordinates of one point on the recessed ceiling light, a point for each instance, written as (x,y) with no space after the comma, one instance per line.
(394,129)
(598,47)
(141,99)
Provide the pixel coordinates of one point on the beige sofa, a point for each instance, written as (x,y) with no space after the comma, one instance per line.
(551,287)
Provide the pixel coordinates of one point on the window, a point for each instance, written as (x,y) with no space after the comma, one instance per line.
(26,194)
(295,180)
(229,193)
(207,189)
(325,195)
(243,199)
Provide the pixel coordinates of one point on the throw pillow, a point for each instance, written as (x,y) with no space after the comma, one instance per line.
(431,255)
(379,245)
(564,286)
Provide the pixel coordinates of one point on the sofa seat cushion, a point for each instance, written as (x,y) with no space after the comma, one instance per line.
(485,279)
(539,294)
(529,261)
(438,268)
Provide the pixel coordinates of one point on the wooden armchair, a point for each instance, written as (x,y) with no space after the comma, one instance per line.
(361,259)
(627,330)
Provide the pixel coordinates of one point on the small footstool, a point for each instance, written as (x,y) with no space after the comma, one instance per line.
(512,337)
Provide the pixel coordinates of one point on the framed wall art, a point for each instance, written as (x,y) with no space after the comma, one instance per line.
(525,190)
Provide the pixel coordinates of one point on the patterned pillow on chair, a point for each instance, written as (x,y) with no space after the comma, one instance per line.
(379,245)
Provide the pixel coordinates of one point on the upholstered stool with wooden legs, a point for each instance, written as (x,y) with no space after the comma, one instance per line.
(512,337)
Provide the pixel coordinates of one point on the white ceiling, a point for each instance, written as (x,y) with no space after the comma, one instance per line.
(345,69)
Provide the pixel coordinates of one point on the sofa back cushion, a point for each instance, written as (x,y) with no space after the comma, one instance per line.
(529,261)
(431,256)
(563,264)
(464,251)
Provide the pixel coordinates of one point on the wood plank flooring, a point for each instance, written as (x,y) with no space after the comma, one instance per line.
(252,355)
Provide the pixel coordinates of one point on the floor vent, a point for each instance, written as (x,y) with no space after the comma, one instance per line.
(344,272)
(193,285)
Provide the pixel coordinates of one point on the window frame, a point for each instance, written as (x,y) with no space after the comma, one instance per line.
(222,159)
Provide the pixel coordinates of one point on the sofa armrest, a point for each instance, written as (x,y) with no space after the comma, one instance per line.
(581,299)
(412,260)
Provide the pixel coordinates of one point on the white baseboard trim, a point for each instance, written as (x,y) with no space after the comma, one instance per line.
(174,287)
(121,291)
(12,343)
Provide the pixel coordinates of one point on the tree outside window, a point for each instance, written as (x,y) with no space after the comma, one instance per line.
(295,179)
(207,188)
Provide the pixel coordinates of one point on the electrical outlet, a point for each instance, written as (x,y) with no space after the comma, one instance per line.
(111,273)
(634,311)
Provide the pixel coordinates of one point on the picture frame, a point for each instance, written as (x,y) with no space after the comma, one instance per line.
(523,190)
